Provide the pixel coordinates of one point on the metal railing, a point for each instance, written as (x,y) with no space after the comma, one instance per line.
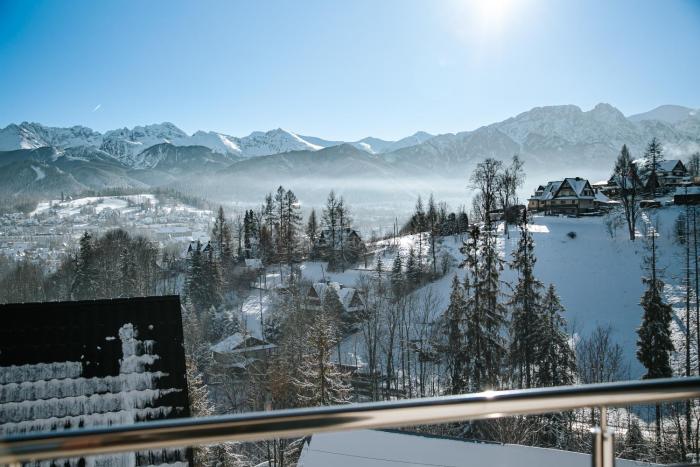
(259,426)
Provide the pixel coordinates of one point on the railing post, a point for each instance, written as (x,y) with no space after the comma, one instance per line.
(603,454)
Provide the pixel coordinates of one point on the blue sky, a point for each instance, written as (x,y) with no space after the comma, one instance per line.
(339,70)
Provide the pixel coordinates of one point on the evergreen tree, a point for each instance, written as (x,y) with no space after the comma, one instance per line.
(555,356)
(248,219)
(526,316)
(221,239)
(434,230)
(128,276)
(654,345)
(331,227)
(635,446)
(419,216)
(485,314)
(397,277)
(212,280)
(693,165)
(290,227)
(319,380)
(456,356)
(194,292)
(379,267)
(653,156)
(312,228)
(412,268)
(85,284)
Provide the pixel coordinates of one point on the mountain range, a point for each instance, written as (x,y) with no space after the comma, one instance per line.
(554,141)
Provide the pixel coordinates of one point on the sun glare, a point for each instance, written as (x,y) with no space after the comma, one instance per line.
(483,20)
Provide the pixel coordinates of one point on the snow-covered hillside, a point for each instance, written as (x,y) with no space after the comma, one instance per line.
(598,277)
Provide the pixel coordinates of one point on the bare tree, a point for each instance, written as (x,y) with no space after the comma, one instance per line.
(627,179)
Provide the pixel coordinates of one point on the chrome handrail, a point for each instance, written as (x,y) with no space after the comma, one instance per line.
(257,426)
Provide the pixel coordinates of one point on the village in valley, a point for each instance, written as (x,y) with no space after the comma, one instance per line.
(258,283)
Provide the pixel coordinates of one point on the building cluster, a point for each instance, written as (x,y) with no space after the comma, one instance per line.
(54,228)
(577,196)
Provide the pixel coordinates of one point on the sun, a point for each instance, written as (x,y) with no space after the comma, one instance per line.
(484,20)
(492,12)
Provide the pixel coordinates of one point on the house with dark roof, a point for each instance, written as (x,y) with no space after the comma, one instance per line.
(569,196)
(350,298)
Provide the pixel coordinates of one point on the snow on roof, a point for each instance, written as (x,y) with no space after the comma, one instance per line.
(667,165)
(229,344)
(577,184)
(601,198)
(322,287)
(371,448)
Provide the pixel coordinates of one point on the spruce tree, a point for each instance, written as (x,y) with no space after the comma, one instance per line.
(653,156)
(319,380)
(128,275)
(221,239)
(290,226)
(555,356)
(193,285)
(654,345)
(454,319)
(412,268)
(312,229)
(85,284)
(527,319)
(397,277)
(485,313)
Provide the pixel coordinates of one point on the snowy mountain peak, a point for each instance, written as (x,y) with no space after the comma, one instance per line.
(667,113)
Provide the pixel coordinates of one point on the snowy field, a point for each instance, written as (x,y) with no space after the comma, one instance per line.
(370,448)
(72,207)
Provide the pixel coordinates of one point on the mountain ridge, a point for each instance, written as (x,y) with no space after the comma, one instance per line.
(553,141)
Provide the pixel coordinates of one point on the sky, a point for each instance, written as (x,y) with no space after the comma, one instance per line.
(339,70)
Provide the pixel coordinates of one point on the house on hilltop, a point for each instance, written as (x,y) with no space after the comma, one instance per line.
(569,196)
(350,298)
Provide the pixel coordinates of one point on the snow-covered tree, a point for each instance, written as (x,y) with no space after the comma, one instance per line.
(221,239)
(320,381)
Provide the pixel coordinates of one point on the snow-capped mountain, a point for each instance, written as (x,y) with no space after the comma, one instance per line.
(124,143)
(666,113)
(553,141)
(34,135)
(277,141)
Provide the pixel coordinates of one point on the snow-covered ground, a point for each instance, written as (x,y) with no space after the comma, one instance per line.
(597,276)
(100,203)
(370,448)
